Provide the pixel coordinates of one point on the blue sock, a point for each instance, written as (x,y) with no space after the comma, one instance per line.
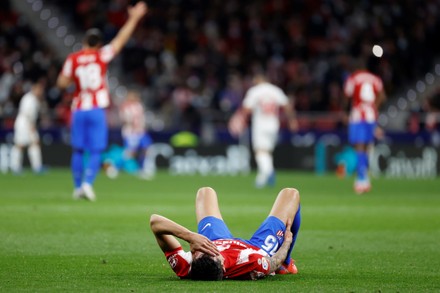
(77,167)
(93,166)
(295,228)
(362,166)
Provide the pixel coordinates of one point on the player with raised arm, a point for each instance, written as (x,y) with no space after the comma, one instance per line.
(265,102)
(366,92)
(87,70)
(215,254)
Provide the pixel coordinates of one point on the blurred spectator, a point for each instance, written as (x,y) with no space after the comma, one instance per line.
(304,46)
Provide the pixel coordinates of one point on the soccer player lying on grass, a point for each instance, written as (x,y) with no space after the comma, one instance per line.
(216,254)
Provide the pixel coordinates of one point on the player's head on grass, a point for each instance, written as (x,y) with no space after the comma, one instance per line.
(93,38)
(206,268)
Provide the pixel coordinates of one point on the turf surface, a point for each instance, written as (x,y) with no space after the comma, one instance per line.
(386,241)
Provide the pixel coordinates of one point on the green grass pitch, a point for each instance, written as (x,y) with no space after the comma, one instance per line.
(385,241)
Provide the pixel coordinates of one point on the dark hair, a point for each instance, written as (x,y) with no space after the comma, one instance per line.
(205,268)
(93,37)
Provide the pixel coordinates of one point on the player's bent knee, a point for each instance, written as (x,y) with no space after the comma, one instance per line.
(205,191)
(153,219)
(290,192)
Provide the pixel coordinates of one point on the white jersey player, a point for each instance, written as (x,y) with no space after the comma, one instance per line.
(265,102)
(25,130)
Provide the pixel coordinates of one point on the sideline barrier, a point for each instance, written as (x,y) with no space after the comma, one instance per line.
(395,161)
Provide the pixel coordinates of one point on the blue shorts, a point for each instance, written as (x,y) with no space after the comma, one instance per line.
(135,142)
(89,130)
(269,236)
(361,132)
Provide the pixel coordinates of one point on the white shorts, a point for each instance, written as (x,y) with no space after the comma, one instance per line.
(264,140)
(23,133)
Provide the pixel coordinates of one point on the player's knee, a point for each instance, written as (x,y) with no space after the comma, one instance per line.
(153,220)
(205,192)
(290,193)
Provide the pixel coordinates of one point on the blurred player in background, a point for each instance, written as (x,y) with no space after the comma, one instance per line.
(216,254)
(87,69)
(26,131)
(134,133)
(265,102)
(366,92)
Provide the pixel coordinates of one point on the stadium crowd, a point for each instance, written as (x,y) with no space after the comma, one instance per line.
(194,59)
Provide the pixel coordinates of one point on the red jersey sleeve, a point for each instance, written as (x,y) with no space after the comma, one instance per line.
(106,53)
(180,261)
(67,69)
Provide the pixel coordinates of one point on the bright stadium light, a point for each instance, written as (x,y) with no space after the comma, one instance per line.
(421,87)
(61,31)
(37,5)
(53,22)
(402,103)
(77,46)
(411,95)
(45,14)
(437,69)
(392,111)
(383,120)
(69,40)
(429,78)
(377,51)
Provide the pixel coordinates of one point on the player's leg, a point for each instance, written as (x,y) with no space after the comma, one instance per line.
(22,134)
(269,236)
(263,144)
(17,158)
(77,159)
(207,204)
(287,206)
(96,143)
(265,167)
(361,135)
(209,219)
(147,164)
(34,153)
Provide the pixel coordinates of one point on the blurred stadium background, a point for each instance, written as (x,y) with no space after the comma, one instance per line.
(193,60)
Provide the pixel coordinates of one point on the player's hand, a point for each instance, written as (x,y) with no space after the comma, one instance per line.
(288,236)
(293,125)
(201,243)
(138,10)
(237,123)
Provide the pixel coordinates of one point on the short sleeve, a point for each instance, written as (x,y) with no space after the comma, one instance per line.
(378,85)
(107,53)
(349,87)
(67,67)
(249,99)
(180,261)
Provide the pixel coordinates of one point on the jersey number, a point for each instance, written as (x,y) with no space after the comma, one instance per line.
(270,245)
(89,76)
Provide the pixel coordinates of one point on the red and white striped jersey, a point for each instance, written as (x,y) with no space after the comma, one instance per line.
(88,69)
(363,88)
(241,260)
(132,116)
